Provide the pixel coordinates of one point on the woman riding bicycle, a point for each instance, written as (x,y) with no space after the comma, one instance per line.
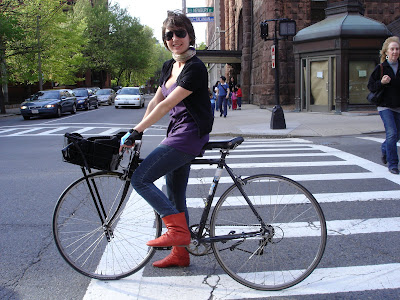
(183,92)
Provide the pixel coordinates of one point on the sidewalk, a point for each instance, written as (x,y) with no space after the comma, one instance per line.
(251,121)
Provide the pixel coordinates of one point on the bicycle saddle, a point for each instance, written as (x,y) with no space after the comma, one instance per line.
(228,144)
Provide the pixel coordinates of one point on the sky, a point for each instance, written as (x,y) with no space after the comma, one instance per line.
(153,12)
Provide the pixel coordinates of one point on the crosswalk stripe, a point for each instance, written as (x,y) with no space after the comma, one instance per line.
(84,129)
(221,286)
(378,140)
(193,202)
(52,130)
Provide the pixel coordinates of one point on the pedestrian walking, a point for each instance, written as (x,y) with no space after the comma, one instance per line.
(234,100)
(223,95)
(212,100)
(183,92)
(239,96)
(389,105)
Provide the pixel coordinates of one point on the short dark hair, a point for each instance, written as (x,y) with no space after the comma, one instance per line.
(176,21)
(223,78)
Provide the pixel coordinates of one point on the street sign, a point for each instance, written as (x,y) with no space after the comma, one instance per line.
(201,19)
(199,10)
(273,56)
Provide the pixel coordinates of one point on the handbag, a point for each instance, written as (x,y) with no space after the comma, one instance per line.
(376,97)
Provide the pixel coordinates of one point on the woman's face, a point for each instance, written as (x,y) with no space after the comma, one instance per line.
(393,51)
(177,40)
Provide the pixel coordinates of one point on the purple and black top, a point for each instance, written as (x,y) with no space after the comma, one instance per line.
(182,131)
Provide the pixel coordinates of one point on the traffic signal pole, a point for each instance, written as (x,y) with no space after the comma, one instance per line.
(277,117)
(288,28)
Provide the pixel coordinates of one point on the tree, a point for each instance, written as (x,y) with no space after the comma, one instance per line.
(10,31)
(60,36)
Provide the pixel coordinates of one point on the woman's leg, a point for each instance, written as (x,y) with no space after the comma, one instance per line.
(159,162)
(176,188)
(391,121)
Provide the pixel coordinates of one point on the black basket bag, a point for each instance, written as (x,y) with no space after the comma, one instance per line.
(100,152)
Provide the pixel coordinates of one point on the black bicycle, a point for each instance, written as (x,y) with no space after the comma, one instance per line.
(266,231)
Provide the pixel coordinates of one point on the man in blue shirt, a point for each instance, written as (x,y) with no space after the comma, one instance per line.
(223,94)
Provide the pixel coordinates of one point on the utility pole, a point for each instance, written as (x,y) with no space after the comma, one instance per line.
(184,7)
(39,58)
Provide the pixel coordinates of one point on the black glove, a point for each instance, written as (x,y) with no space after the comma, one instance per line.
(135,136)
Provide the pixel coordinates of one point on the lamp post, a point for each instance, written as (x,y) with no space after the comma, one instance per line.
(287,28)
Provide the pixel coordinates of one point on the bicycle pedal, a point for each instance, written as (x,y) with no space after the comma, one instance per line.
(162,248)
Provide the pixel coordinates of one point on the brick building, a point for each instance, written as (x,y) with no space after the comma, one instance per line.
(237,27)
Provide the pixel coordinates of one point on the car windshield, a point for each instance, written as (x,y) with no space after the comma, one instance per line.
(129,91)
(103,92)
(45,95)
(81,93)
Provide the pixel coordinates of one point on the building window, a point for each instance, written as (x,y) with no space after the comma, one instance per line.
(318,10)
(359,73)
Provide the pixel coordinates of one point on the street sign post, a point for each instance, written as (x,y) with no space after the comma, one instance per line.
(202,19)
(200,10)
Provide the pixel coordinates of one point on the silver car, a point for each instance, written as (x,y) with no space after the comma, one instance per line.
(129,96)
(105,96)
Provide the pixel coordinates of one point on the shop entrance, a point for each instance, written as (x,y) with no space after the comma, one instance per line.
(318,87)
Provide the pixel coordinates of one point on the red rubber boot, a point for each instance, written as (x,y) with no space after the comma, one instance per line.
(177,234)
(179,257)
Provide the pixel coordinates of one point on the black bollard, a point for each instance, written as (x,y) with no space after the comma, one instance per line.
(277,118)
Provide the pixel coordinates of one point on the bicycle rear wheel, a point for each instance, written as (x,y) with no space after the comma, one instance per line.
(291,247)
(115,248)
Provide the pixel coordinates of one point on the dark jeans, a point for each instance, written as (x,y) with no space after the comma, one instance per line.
(239,101)
(175,165)
(391,121)
(223,106)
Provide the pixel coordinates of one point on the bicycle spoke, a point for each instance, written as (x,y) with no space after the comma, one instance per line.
(287,250)
(105,251)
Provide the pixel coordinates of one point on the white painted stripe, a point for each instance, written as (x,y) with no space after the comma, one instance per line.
(84,129)
(307,177)
(7,130)
(321,281)
(26,131)
(48,132)
(321,198)
(111,131)
(252,165)
(263,149)
(273,155)
(378,140)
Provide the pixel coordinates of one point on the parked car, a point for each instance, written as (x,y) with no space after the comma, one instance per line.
(129,96)
(94,89)
(49,103)
(105,96)
(85,98)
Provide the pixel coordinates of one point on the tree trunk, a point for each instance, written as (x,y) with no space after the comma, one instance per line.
(3,77)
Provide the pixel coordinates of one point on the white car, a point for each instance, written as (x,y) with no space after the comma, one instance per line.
(129,96)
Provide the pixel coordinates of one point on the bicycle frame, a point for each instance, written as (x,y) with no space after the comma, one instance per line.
(221,164)
(213,188)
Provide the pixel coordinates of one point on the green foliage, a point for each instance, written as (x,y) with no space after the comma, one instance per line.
(71,40)
(202,46)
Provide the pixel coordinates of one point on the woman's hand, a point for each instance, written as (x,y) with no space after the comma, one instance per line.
(385,79)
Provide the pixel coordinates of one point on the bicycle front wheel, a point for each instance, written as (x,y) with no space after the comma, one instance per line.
(282,253)
(111,247)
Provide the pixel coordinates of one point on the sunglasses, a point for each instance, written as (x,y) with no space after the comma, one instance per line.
(181,33)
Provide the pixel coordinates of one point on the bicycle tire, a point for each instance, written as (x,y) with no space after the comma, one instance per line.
(297,237)
(81,237)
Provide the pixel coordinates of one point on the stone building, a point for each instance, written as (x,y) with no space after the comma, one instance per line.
(237,28)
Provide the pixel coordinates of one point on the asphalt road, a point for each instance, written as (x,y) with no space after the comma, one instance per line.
(356,259)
